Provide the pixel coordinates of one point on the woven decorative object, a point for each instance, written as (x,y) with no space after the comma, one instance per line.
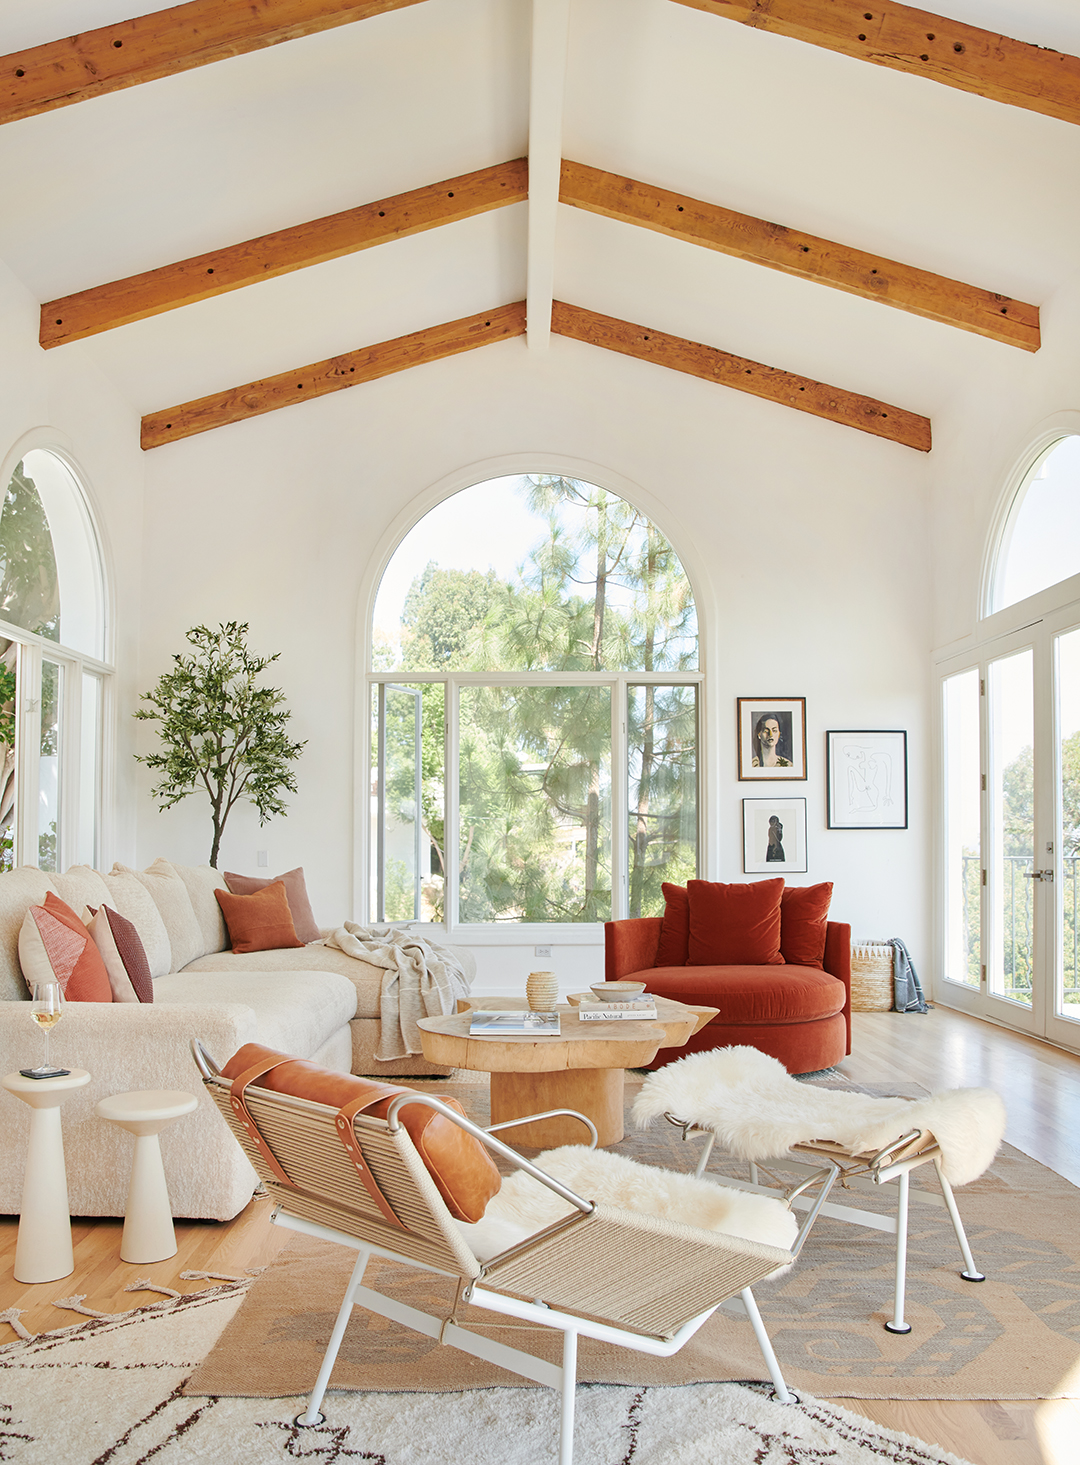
(542,991)
(871,976)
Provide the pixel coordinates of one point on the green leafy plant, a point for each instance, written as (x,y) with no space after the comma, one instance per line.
(219,730)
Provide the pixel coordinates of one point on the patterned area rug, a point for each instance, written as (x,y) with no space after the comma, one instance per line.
(109,1393)
(1014,1336)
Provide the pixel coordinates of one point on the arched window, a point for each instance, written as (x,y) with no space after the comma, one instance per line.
(535,711)
(52,645)
(1041,543)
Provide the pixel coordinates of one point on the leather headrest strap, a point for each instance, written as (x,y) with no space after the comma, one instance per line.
(240,1109)
(347,1135)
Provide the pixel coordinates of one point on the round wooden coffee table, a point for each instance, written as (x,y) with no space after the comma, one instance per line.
(582,1069)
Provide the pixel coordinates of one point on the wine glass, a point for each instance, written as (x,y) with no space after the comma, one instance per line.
(46,1009)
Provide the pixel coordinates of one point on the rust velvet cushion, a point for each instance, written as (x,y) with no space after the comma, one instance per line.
(752,994)
(295,893)
(54,945)
(804,919)
(261,921)
(675,932)
(733,925)
(460,1166)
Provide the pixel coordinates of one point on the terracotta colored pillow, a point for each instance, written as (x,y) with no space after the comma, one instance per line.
(295,893)
(804,916)
(674,942)
(458,1163)
(54,945)
(735,925)
(123,953)
(259,922)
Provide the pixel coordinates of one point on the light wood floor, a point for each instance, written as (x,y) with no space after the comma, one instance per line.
(944,1049)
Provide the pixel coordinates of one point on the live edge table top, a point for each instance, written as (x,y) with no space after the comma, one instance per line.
(580,1045)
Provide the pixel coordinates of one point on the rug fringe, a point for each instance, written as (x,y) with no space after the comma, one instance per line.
(12,1316)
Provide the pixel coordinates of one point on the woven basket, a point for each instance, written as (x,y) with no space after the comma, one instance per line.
(871,977)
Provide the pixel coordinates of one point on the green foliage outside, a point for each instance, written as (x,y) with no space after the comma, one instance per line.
(601,591)
(219,730)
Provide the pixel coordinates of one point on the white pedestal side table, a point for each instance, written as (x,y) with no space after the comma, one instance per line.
(43,1250)
(148,1226)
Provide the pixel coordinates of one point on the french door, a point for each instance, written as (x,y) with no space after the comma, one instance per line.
(1011,830)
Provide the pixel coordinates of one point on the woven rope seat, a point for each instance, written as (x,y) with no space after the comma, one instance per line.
(759,1113)
(402,1175)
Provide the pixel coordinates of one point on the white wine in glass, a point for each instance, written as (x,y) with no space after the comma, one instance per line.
(46,1009)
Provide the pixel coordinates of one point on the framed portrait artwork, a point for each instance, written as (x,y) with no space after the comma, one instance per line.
(867,780)
(774,836)
(772,738)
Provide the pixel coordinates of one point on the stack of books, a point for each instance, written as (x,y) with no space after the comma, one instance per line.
(641,1010)
(494,1024)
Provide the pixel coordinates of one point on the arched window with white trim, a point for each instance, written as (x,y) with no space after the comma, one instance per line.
(1040,545)
(535,687)
(52,667)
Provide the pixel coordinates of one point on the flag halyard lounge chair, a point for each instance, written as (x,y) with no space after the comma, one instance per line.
(360,1179)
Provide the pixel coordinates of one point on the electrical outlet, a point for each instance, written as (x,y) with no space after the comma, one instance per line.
(542,951)
(262,858)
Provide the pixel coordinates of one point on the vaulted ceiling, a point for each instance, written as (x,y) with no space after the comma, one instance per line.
(678,134)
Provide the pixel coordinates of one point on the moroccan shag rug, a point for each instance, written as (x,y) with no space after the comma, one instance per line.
(109,1392)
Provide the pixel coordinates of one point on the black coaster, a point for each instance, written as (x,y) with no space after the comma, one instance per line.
(52,1073)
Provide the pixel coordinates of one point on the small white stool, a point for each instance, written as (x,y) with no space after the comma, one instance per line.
(43,1250)
(148,1227)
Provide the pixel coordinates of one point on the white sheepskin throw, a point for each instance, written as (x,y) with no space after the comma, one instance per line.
(523,1206)
(759,1111)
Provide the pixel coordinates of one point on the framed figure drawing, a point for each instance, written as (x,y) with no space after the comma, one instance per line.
(867,778)
(772,738)
(774,836)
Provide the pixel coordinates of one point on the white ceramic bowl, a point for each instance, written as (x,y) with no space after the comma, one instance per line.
(616,991)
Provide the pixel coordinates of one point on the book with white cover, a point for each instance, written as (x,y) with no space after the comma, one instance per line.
(493,1024)
(617,1011)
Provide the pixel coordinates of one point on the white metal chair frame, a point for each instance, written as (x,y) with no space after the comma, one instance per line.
(895,1161)
(753,1258)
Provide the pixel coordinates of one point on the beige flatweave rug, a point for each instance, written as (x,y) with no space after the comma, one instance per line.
(1014,1336)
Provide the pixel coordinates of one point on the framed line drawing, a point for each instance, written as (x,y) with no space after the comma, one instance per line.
(867,780)
(774,836)
(772,738)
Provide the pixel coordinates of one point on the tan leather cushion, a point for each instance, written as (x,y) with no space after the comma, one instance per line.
(458,1163)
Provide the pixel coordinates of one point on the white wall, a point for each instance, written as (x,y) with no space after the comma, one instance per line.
(806,542)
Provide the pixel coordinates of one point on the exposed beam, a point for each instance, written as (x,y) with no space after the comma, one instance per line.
(801,392)
(547,82)
(923,44)
(105,306)
(334,375)
(162,44)
(903,286)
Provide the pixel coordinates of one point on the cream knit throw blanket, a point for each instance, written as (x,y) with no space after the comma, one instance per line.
(420,979)
(759,1111)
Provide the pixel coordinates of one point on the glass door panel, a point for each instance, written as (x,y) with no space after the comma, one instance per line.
(662,792)
(52,683)
(1067,817)
(1012,827)
(400,812)
(963,836)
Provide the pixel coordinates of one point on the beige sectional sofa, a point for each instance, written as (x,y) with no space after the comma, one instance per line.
(311,1001)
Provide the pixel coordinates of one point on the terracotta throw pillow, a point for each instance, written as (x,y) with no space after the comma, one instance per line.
(54,945)
(259,922)
(295,893)
(123,953)
(735,925)
(674,944)
(804,916)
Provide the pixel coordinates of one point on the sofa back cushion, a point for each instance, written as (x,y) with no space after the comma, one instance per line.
(458,1163)
(19,890)
(674,945)
(54,945)
(804,920)
(259,922)
(170,895)
(734,925)
(201,882)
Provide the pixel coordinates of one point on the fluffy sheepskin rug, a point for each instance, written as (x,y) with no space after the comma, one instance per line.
(759,1111)
(524,1206)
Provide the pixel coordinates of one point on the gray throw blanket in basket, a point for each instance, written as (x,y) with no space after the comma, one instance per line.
(907,989)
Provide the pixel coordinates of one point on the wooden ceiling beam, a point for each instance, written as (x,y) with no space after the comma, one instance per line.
(869,275)
(922,44)
(162,44)
(334,375)
(104,307)
(851,409)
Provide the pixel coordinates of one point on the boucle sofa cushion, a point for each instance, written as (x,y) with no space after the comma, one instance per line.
(19,890)
(201,882)
(296,1012)
(80,886)
(126,894)
(365,979)
(170,895)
